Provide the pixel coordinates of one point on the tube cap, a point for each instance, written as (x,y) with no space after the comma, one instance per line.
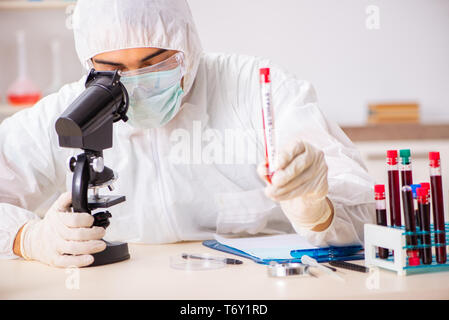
(264,75)
(414,188)
(405,156)
(421,192)
(434,158)
(425,185)
(379,192)
(392,157)
(379,188)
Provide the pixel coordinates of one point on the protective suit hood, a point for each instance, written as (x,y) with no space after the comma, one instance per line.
(108,25)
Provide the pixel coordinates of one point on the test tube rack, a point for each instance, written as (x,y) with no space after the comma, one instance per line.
(394,239)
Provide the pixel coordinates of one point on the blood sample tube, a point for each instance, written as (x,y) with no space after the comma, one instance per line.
(417,215)
(437,205)
(409,218)
(424,211)
(406,167)
(393,188)
(381,213)
(268,120)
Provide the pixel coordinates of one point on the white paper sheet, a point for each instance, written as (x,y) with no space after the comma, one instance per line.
(268,247)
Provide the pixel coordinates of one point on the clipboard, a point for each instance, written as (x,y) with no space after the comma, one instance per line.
(321,254)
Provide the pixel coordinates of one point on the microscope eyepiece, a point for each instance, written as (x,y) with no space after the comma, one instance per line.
(87,122)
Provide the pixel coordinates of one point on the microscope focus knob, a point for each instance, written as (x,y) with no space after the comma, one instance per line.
(98,164)
(71,163)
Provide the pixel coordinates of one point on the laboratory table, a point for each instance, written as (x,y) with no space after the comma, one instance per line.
(148,275)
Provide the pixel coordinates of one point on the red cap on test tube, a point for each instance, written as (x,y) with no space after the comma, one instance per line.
(392,157)
(426,186)
(264,75)
(379,192)
(434,158)
(422,195)
(421,192)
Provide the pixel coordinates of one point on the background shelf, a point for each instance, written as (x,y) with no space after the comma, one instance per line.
(20,5)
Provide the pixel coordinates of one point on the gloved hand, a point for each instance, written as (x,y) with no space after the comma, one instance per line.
(62,238)
(300,184)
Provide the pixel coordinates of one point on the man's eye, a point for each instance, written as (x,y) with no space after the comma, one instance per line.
(148,64)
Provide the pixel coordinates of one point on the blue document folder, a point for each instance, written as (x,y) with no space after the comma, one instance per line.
(320,254)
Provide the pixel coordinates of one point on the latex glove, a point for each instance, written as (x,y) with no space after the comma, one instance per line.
(62,238)
(300,184)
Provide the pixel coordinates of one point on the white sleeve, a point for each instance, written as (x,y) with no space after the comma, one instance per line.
(297,114)
(31,166)
(12,219)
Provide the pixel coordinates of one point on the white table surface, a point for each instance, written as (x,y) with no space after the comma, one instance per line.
(148,275)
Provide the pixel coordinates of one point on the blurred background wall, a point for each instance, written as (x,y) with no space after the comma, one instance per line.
(353,51)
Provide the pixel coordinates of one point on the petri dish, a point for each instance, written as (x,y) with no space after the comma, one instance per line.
(196,261)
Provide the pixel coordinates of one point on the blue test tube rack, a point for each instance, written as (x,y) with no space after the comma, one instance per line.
(394,239)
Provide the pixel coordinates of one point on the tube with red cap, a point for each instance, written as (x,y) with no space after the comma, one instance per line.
(268,121)
(426,185)
(409,217)
(424,213)
(381,213)
(393,188)
(438,207)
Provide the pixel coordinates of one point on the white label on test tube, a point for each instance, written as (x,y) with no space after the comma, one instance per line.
(268,120)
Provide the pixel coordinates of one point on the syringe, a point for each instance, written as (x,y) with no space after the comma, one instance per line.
(268,121)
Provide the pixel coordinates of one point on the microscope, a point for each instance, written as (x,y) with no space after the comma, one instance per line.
(87,124)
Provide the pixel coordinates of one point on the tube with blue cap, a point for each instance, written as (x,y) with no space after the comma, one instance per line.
(417,215)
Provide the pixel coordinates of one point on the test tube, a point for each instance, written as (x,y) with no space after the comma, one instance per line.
(406,167)
(268,120)
(393,188)
(417,215)
(381,213)
(424,211)
(409,218)
(437,205)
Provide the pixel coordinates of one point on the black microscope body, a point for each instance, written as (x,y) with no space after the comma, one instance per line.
(87,124)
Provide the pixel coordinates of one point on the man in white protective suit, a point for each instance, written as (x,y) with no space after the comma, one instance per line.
(178,157)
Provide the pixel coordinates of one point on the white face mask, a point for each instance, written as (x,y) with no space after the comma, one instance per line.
(154,97)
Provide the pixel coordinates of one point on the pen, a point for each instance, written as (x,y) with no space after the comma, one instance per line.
(226,260)
(349,266)
(327,252)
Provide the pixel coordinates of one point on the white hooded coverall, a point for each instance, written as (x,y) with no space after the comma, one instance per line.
(186,180)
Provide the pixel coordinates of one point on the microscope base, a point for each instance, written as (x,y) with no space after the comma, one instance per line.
(114,252)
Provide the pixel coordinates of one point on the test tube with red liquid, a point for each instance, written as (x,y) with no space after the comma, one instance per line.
(415,188)
(393,188)
(438,207)
(409,217)
(381,213)
(406,167)
(268,121)
(424,212)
